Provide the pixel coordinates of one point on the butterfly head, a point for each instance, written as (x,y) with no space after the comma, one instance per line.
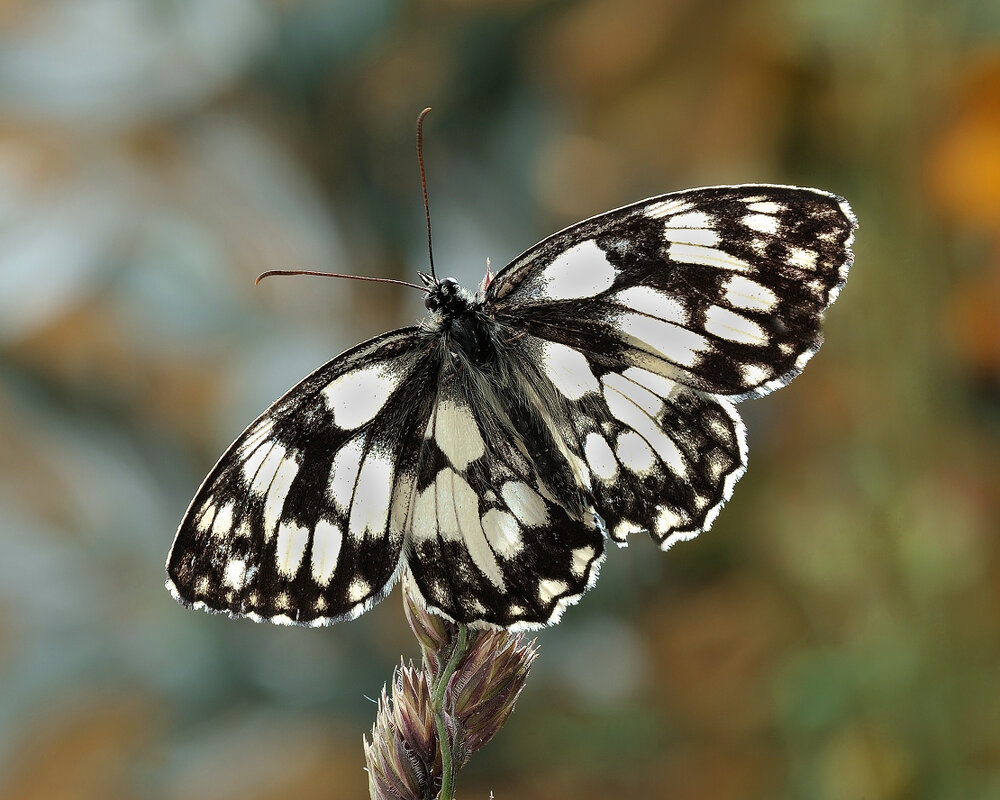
(445,296)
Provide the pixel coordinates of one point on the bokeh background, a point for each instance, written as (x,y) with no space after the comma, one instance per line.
(835,636)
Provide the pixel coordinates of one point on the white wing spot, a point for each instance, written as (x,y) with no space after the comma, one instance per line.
(370,508)
(762,223)
(802,258)
(423,520)
(817,287)
(657,384)
(452,494)
(264,474)
(344,474)
(223,523)
(667,208)
(253,463)
(601,457)
(207,516)
(548,589)
(720,429)
(634,453)
(582,557)
(625,410)
(744,293)
(764,206)
(525,503)
(277,493)
(717,466)
(667,519)
(647,300)
(675,344)
(582,271)
(357,396)
(699,234)
(710,257)
(690,219)
(358,590)
(457,434)
(624,529)
(733,327)
(639,395)
(327,539)
(458,520)
(580,470)
(258,435)
(235,572)
(402,496)
(568,370)
(440,592)
(502,532)
(289,548)
(753,375)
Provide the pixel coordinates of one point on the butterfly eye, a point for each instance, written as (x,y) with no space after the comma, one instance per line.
(432,301)
(449,286)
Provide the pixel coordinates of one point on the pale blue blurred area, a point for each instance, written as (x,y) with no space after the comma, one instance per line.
(115,63)
(834,636)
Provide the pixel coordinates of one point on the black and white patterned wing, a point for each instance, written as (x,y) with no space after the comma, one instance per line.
(645,317)
(654,454)
(721,289)
(303,518)
(501,529)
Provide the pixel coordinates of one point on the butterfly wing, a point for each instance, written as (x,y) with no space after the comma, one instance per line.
(721,289)
(644,317)
(501,530)
(303,518)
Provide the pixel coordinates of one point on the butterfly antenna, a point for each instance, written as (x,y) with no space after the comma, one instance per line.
(271,272)
(423,185)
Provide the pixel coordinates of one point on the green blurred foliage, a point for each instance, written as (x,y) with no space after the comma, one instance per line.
(835,636)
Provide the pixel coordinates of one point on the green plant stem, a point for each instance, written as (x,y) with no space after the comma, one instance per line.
(437,699)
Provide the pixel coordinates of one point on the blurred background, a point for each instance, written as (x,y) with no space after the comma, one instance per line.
(835,636)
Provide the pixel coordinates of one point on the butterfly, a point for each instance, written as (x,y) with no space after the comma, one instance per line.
(585,394)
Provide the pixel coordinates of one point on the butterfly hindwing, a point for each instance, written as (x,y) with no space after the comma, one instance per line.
(657,455)
(501,530)
(302,519)
(721,289)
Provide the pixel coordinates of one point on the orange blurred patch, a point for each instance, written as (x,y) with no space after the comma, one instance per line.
(715,650)
(596,46)
(703,770)
(273,758)
(861,762)
(964,163)
(714,770)
(87,749)
(972,316)
(85,351)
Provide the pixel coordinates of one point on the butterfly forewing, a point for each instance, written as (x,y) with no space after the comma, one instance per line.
(721,289)
(303,518)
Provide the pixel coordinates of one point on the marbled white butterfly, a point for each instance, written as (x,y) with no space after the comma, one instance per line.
(585,394)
